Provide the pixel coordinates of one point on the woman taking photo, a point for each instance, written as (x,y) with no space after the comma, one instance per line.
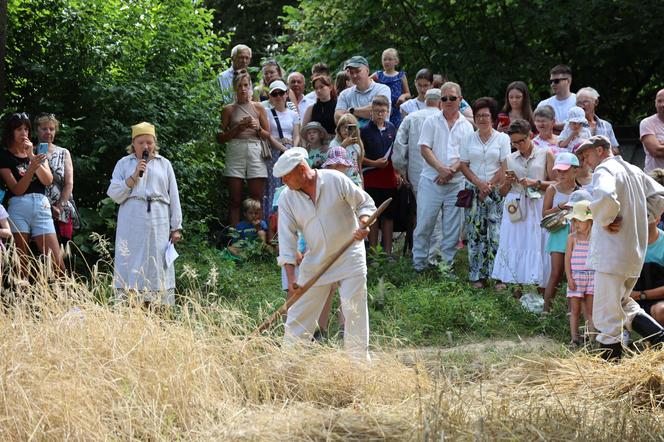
(285,133)
(323,109)
(26,176)
(483,157)
(517,106)
(520,258)
(243,125)
(59,193)
(150,216)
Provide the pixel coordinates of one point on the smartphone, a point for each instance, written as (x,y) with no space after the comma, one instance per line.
(510,172)
(42,148)
(503,119)
(352,130)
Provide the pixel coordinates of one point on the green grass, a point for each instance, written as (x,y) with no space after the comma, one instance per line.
(437,308)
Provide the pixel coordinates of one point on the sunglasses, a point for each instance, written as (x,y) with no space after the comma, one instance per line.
(450,98)
(19,116)
(277,93)
(557,80)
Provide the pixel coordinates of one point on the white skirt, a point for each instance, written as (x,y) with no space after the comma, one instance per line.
(521,258)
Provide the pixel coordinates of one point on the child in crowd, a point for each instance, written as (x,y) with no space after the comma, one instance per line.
(566,166)
(315,138)
(395,80)
(252,228)
(575,131)
(380,178)
(347,137)
(580,278)
(423,82)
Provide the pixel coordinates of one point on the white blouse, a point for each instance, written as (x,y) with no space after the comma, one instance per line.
(484,159)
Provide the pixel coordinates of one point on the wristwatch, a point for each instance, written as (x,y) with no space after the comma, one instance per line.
(643,296)
(538,183)
(351,110)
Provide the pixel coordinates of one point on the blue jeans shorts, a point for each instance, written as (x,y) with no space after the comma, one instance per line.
(30,213)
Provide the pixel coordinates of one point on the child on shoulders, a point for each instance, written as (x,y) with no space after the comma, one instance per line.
(575,131)
(395,80)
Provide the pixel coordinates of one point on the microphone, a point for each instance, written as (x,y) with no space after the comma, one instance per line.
(146,155)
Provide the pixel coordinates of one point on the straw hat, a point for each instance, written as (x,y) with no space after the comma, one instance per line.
(142,129)
(580,211)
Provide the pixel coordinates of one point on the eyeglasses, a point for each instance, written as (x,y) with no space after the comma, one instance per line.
(521,141)
(277,93)
(557,80)
(479,116)
(450,98)
(379,111)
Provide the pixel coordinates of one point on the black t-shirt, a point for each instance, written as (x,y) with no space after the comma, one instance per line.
(19,166)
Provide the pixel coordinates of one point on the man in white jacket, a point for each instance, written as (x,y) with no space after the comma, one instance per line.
(327,208)
(624,199)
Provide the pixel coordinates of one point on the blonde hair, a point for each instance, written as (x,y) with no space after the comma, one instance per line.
(238,77)
(391,51)
(249,204)
(47,118)
(350,119)
(130,148)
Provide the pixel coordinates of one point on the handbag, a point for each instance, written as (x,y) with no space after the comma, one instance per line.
(514,210)
(554,221)
(266,150)
(465,198)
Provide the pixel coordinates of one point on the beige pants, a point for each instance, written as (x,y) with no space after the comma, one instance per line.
(613,309)
(302,316)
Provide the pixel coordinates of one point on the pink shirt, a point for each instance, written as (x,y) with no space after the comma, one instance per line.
(652,125)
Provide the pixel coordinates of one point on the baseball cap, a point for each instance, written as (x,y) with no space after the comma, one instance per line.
(565,160)
(278,85)
(289,160)
(356,61)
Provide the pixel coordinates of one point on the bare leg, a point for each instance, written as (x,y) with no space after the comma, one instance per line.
(588,314)
(48,245)
(557,270)
(387,227)
(257,188)
(574,318)
(235,193)
(373,235)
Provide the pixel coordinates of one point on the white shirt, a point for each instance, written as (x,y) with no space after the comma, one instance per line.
(287,119)
(652,125)
(302,107)
(412,105)
(484,159)
(620,188)
(351,97)
(226,84)
(406,153)
(560,107)
(444,142)
(326,226)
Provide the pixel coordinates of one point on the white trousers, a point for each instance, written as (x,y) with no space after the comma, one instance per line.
(303,315)
(436,236)
(433,198)
(613,308)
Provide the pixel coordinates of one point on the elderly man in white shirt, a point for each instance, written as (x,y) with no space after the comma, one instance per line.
(407,157)
(624,200)
(327,208)
(240,59)
(440,181)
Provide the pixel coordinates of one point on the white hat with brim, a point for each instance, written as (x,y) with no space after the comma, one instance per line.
(289,160)
(580,211)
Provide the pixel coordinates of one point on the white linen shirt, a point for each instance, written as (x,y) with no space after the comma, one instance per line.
(484,159)
(406,154)
(620,188)
(158,182)
(444,142)
(325,225)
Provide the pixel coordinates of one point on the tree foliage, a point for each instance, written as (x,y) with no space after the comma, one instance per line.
(103,65)
(484,45)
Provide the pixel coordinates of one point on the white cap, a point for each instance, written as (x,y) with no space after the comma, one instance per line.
(289,160)
(278,85)
(576,115)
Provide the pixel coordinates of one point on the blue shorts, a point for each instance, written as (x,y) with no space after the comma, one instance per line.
(30,213)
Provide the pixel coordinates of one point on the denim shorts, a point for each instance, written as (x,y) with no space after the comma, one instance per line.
(30,213)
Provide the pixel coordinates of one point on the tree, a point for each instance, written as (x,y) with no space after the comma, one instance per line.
(3,50)
(486,44)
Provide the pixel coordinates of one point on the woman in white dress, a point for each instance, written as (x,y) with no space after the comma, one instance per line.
(521,258)
(149,217)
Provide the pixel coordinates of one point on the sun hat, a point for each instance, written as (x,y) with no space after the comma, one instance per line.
(289,160)
(433,94)
(142,129)
(580,211)
(594,141)
(576,115)
(314,125)
(565,160)
(578,195)
(278,85)
(337,155)
(356,61)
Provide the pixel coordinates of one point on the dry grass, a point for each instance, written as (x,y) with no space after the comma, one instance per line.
(71,368)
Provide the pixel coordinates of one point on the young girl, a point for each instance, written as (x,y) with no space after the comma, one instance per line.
(556,196)
(575,130)
(517,106)
(315,136)
(347,136)
(423,82)
(580,278)
(396,80)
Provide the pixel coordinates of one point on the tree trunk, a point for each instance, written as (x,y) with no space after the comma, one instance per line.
(3,53)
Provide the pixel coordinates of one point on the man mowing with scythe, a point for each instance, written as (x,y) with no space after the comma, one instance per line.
(327,207)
